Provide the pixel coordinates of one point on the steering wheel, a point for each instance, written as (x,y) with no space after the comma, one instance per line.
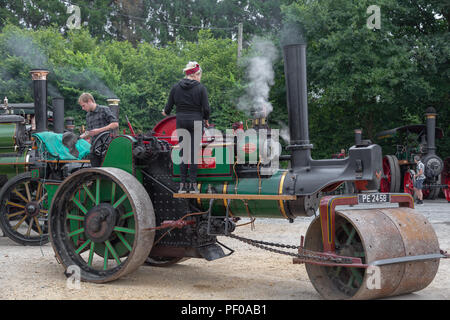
(100,144)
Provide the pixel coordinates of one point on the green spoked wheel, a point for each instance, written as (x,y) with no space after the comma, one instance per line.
(23,210)
(101,220)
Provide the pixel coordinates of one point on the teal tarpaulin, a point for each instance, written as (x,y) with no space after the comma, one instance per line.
(51,143)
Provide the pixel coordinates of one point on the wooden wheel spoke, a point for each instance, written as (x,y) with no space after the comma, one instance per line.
(30,224)
(9,203)
(39,190)
(38,226)
(19,223)
(21,196)
(15,214)
(27,189)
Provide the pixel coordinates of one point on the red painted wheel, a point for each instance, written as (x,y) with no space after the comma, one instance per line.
(408,183)
(445,178)
(390,182)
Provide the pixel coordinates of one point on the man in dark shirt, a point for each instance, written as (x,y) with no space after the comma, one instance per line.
(98,119)
(191,100)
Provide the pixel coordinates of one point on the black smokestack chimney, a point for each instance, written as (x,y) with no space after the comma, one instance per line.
(39,77)
(430,113)
(58,115)
(297,102)
(114,106)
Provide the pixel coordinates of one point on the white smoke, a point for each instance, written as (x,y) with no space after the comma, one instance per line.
(260,76)
(284,132)
(25,48)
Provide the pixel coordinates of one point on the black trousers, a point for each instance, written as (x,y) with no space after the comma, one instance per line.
(192,157)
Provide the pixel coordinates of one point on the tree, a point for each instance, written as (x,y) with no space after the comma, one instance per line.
(375,79)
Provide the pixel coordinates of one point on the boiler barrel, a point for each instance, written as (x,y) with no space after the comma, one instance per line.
(274,185)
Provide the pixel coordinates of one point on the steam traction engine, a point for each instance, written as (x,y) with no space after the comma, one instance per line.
(110,220)
(27,168)
(418,139)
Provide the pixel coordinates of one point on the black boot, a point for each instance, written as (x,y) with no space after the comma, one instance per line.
(193,188)
(183,187)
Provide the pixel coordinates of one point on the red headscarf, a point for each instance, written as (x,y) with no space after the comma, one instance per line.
(193,70)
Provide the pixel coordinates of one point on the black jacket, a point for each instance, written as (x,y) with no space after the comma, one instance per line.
(191,100)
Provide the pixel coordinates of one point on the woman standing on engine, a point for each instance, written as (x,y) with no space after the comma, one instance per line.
(192,107)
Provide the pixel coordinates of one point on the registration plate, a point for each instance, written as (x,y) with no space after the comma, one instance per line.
(374,198)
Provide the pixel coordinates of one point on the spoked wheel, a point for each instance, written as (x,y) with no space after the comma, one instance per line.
(373,235)
(23,214)
(154,261)
(390,182)
(101,221)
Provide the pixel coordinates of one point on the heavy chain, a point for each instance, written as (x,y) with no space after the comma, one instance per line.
(305,254)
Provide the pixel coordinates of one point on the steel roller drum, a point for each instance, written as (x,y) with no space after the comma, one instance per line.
(376,234)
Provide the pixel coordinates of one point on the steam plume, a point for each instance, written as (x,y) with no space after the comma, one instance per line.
(260,74)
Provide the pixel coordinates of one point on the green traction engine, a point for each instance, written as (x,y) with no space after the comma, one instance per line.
(27,170)
(110,220)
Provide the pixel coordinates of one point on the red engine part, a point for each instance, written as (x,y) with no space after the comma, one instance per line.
(445,178)
(165,130)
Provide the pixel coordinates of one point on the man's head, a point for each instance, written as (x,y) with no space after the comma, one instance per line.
(343,151)
(416,158)
(193,71)
(87,102)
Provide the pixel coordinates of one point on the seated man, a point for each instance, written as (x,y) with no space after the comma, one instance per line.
(98,119)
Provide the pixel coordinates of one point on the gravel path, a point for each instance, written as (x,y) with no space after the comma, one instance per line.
(249,273)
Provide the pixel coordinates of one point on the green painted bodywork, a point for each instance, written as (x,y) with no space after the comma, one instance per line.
(13,165)
(7,133)
(256,208)
(120,155)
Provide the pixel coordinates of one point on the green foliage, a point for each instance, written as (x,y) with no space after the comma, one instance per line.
(357,78)
(141,77)
(373,79)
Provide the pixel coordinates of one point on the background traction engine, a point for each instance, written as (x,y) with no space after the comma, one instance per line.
(417,139)
(108,221)
(28,169)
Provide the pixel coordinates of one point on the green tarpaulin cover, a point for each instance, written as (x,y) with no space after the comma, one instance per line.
(50,145)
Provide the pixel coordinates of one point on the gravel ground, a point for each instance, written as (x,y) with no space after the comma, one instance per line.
(250,273)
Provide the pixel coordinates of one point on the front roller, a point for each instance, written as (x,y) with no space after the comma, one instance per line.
(375,236)
(101,221)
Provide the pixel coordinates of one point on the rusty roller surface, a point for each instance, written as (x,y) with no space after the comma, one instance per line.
(373,235)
